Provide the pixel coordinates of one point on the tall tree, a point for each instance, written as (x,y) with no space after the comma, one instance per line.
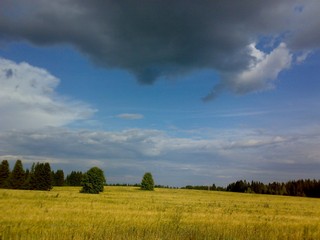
(74,178)
(41,178)
(25,184)
(58,178)
(47,177)
(29,178)
(17,176)
(4,173)
(93,181)
(147,182)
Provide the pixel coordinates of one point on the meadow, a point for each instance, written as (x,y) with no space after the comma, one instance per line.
(129,213)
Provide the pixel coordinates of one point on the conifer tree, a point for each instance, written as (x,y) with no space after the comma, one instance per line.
(74,178)
(4,173)
(17,176)
(47,177)
(58,178)
(41,178)
(28,182)
(25,184)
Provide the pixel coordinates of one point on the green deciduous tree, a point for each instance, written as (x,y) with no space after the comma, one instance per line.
(147,182)
(93,181)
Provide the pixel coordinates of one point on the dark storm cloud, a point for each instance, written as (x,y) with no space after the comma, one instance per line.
(156,38)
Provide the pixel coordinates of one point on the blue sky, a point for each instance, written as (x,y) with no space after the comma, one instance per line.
(192,95)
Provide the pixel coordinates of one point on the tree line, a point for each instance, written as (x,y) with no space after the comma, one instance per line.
(302,188)
(212,187)
(40,177)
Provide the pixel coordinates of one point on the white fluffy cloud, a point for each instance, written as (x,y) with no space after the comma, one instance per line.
(263,69)
(28,99)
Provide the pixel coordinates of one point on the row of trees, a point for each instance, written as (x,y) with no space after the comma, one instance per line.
(74,178)
(213,187)
(304,188)
(93,181)
(40,177)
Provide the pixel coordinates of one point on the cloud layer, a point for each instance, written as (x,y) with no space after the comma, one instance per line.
(130,116)
(28,99)
(248,43)
(154,39)
(225,156)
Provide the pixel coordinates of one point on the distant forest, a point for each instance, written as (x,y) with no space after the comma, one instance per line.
(302,188)
(41,177)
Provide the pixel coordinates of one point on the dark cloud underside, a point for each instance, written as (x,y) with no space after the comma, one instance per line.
(157,38)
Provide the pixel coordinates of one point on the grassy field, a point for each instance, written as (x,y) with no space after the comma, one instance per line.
(129,213)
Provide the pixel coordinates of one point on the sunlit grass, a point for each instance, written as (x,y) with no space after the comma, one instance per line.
(129,213)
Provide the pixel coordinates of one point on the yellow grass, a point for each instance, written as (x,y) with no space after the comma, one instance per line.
(129,213)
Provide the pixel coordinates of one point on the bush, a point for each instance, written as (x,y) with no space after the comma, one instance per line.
(147,182)
(93,181)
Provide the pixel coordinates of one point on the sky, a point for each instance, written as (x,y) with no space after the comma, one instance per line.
(194,92)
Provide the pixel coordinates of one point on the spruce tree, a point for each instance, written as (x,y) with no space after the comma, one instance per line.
(47,183)
(26,180)
(4,173)
(58,178)
(17,176)
(147,182)
(28,184)
(74,178)
(41,178)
